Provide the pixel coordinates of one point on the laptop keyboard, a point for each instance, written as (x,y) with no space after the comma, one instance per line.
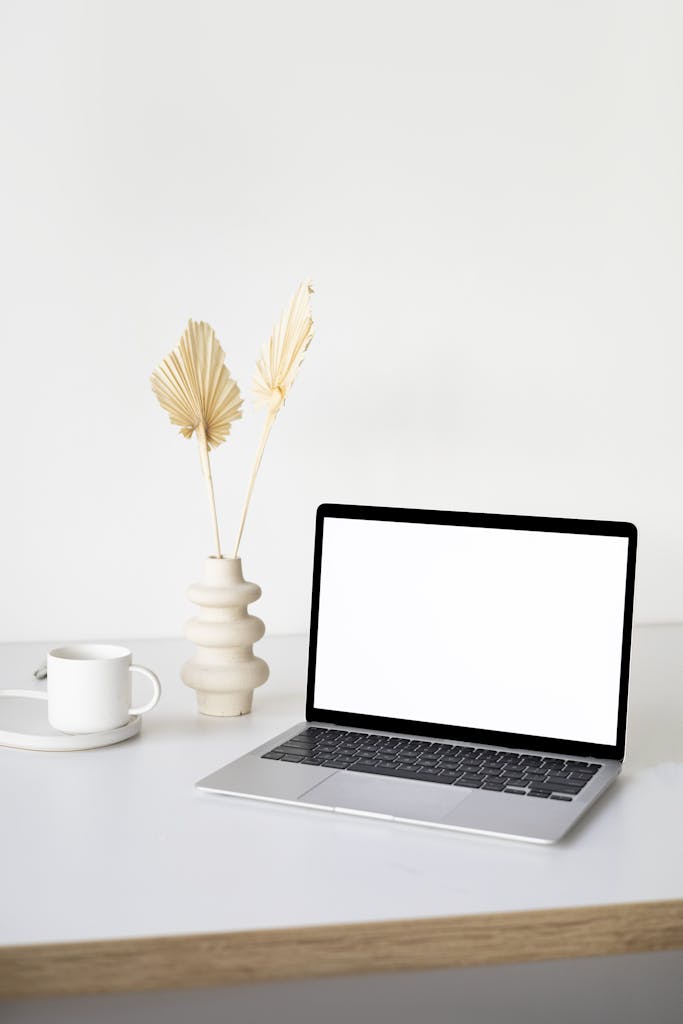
(554,778)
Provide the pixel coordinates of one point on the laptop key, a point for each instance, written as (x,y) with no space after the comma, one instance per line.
(575,784)
(513,789)
(336,764)
(291,757)
(495,786)
(398,773)
(313,760)
(543,796)
(273,755)
(560,796)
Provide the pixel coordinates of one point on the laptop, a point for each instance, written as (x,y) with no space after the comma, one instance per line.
(466,672)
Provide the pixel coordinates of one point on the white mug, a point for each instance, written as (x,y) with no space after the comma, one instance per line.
(89,687)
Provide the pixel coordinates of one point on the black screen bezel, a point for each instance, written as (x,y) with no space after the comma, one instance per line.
(541,524)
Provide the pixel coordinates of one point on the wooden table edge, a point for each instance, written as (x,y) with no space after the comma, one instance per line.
(231,958)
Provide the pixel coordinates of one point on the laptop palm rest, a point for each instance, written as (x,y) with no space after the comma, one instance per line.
(395,798)
(254,776)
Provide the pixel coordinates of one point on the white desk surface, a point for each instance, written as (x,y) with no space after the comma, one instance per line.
(115,843)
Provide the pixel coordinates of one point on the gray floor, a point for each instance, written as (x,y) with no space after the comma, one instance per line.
(611,990)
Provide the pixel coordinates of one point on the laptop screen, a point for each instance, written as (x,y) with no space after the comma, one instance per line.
(473,627)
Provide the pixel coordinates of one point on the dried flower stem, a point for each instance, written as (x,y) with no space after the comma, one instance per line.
(206,469)
(267,427)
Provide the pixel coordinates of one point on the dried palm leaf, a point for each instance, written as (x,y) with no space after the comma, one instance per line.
(194,386)
(276,370)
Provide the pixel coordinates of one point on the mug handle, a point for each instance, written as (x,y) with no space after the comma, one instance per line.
(155,696)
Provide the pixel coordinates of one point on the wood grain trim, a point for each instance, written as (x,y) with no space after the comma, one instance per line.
(193,961)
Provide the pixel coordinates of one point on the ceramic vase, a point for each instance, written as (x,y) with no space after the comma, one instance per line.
(223,669)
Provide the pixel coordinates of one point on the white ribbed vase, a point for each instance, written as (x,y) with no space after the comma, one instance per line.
(224,670)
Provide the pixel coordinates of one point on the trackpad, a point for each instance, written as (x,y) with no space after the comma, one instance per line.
(400,798)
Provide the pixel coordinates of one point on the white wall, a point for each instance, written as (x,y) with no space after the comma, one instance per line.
(488,198)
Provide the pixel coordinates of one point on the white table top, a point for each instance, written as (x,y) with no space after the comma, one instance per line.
(116,842)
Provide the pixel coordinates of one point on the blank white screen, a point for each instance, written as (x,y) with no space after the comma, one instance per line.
(507,630)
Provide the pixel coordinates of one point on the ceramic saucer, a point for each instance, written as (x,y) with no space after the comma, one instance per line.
(23,723)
